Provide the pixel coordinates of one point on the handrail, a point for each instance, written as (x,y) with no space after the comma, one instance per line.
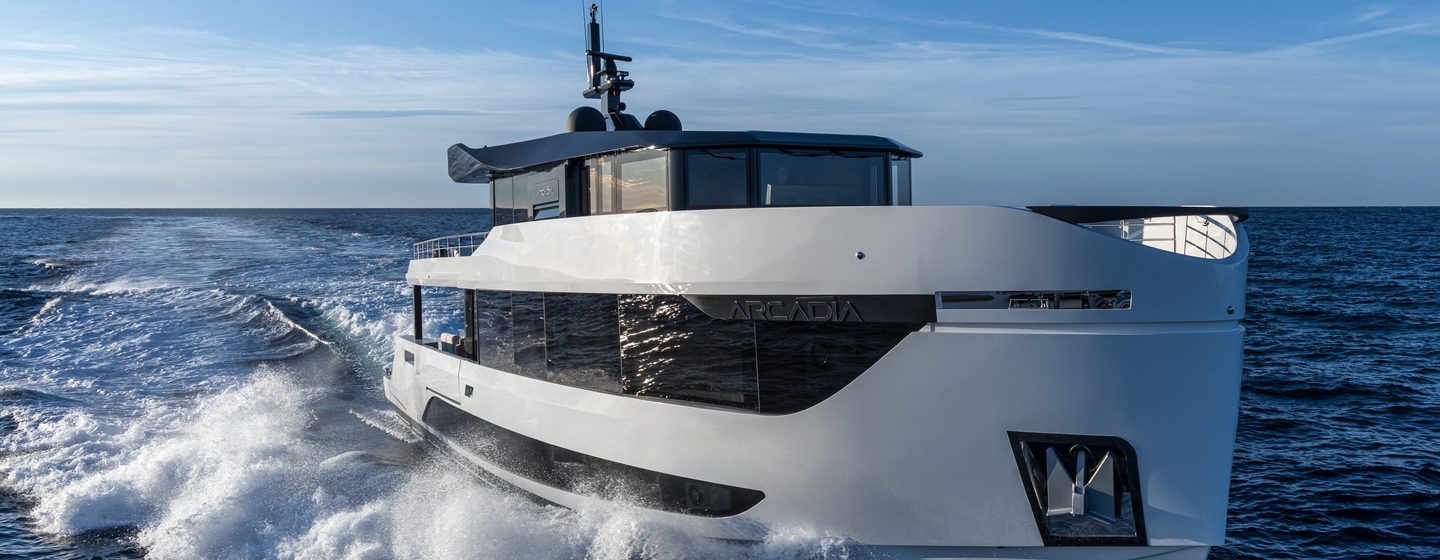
(460,245)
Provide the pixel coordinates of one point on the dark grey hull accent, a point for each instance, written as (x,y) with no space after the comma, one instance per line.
(579,473)
(819,309)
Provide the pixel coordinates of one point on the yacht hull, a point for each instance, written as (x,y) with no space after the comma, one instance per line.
(919,455)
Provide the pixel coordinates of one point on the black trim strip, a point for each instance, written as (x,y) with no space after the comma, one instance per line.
(1095,214)
(583,474)
(818,309)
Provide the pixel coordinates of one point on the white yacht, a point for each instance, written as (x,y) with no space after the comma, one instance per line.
(739,332)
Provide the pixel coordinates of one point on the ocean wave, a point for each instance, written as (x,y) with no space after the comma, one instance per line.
(390,422)
(182,476)
(14,395)
(76,284)
(20,308)
(243,475)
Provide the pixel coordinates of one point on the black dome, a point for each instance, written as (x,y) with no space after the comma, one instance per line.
(662,120)
(586,119)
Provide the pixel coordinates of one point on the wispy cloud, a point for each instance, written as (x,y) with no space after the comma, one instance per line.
(1371,13)
(390,113)
(1009,115)
(1353,37)
(1067,36)
(987,28)
(799,35)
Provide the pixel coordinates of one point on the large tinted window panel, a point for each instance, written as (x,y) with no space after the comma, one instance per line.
(527,313)
(582,340)
(643,183)
(493,344)
(502,201)
(670,349)
(822,178)
(802,364)
(717,179)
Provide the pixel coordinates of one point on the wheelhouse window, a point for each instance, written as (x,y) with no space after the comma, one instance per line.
(797,177)
(718,178)
(502,201)
(643,182)
(627,183)
(900,180)
(601,184)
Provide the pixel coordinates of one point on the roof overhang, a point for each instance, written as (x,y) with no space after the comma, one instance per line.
(479,165)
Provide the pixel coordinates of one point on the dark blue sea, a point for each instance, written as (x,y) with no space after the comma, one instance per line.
(205,384)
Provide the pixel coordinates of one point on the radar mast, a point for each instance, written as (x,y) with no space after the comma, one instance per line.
(607,81)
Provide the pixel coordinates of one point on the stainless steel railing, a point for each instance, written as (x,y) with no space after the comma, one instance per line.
(461,245)
(1208,237)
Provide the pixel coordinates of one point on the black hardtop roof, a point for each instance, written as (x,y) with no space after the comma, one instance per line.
(477,165)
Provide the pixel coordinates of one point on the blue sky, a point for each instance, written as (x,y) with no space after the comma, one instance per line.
(329,103)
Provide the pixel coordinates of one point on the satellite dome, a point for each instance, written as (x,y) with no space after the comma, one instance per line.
(662,120)
(586,119)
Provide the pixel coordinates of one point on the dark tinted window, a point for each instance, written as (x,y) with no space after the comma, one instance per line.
(802,364)
(717,179)
(502,202)
(582,340)
(528,329)
(493,344)
(822,178)
(670,349)
(662,346)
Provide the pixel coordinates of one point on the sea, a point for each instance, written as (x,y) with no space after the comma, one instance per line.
(206,384)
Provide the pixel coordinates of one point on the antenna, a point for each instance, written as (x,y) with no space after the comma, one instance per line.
(607,81)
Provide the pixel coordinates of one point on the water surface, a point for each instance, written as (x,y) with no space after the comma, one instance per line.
(206,384)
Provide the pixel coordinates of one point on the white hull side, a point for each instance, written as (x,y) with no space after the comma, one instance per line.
(915,451)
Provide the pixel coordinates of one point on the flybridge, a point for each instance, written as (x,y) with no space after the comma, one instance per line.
(610,163)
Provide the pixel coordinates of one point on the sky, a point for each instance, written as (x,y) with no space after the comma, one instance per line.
(327,103)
